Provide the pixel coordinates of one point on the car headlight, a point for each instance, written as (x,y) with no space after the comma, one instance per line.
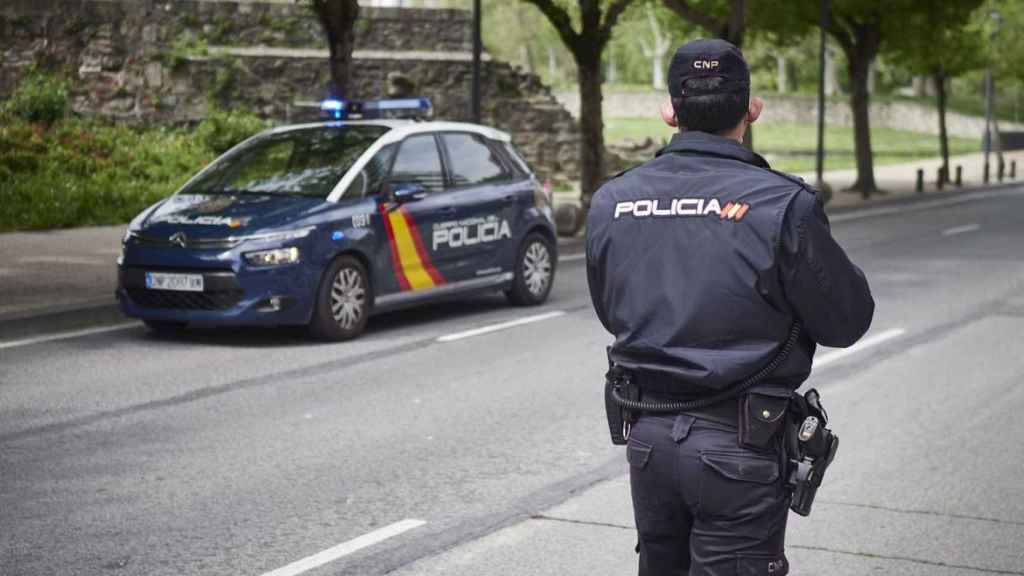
(275,257)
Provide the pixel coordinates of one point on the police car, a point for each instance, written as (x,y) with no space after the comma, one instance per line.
(325,224)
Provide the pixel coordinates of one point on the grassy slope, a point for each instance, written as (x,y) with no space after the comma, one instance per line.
(790,147)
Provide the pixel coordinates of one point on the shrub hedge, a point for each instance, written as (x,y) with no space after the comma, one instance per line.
(77,172)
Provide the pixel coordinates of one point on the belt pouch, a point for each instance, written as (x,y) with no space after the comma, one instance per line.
(762,415)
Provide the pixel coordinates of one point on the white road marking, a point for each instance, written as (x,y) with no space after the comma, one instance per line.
(67,260)
(572,257)
(501,326)
(346,548)
(919,206)
(837,355)
(961,229)
(66,335)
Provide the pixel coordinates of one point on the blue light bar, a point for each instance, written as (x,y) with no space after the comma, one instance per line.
(396,108)
(333,108)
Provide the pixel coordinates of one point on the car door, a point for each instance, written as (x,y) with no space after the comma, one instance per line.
(409,221)
(478,189)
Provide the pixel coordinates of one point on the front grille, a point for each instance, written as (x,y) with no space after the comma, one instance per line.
(218,300)
(196,243)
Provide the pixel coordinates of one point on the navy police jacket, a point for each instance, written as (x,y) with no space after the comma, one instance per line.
(700,260)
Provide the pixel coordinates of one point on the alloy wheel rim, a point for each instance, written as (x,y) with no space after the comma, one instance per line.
(537,268)
(348,298)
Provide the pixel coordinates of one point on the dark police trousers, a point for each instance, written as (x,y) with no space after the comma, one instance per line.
(704,506)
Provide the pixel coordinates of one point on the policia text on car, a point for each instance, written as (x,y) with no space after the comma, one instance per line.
(718,277)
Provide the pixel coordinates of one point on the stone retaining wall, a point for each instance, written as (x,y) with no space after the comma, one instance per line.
(149,61)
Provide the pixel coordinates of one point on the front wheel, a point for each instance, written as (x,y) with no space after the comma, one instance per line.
(342,301)
(534,271)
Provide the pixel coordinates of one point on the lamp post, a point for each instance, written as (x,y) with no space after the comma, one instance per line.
(477,50)
(819,161)
(997,18)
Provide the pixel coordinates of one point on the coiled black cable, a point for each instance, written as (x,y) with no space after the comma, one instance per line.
(728,394)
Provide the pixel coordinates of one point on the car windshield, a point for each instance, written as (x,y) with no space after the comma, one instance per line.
(304,162)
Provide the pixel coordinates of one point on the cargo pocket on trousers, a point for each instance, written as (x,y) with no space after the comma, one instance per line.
(740,488)
(638,453)
(760,565)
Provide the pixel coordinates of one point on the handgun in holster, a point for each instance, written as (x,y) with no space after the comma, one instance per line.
(620,419)
(811,448)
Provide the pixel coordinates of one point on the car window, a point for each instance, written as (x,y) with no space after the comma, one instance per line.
(419,161)
(472,161)
(521,166)
(371,177)
(308,162)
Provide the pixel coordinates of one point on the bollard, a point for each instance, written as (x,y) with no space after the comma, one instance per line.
(939,177)
(1001,170)
(959,176)
(985,176)
(1013,169)
(919,187)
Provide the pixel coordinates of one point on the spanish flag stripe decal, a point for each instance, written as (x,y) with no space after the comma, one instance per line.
(427,263)
(743,210)
(396,263)
(413,261)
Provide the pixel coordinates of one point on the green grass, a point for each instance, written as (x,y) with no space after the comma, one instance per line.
(790,147)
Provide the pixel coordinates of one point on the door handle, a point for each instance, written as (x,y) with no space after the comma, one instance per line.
(447,210)
(509,199)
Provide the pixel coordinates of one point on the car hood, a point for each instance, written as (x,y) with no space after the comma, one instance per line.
(221,215)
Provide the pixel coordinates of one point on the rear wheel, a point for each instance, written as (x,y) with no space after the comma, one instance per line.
(165,327)
(534,271)
(342,301)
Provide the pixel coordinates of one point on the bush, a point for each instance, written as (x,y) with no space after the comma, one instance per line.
(39,98)
(222,129)
(82,172)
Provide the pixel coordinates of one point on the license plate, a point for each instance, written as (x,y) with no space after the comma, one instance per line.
(179,282)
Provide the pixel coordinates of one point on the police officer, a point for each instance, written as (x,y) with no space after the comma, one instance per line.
(700,262)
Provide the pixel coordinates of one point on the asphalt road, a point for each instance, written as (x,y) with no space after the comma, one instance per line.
(242,451)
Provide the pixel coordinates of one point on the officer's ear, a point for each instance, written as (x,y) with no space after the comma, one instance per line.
(668,114)
(754,109)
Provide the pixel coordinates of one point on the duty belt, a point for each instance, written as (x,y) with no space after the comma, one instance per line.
(725,413)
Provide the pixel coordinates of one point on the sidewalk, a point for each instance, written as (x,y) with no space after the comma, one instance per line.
(60,271)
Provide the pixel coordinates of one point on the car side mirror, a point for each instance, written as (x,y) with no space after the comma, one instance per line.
(403,192)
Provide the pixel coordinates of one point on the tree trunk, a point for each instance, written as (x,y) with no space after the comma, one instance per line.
(658,71)
(940,91)
(338,18)
(858,64)
(588,67)
(782,82)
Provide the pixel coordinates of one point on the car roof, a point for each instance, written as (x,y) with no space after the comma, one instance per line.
(399,129)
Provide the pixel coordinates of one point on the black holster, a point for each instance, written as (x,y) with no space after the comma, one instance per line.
(620,419)
(810,449)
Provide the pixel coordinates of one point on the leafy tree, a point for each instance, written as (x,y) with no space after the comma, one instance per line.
(941,41)
(596,19)
(725,19)
(859,28)
(338,18)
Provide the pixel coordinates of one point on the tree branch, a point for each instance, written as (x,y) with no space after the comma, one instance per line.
(694,16)
(611,17)
(561,21)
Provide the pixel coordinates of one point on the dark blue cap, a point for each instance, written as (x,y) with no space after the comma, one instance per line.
(705,58)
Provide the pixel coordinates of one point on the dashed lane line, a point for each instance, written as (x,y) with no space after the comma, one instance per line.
(345,548)
(67,335)
(572,257)
(871,341)
(501,326)
(961,229)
